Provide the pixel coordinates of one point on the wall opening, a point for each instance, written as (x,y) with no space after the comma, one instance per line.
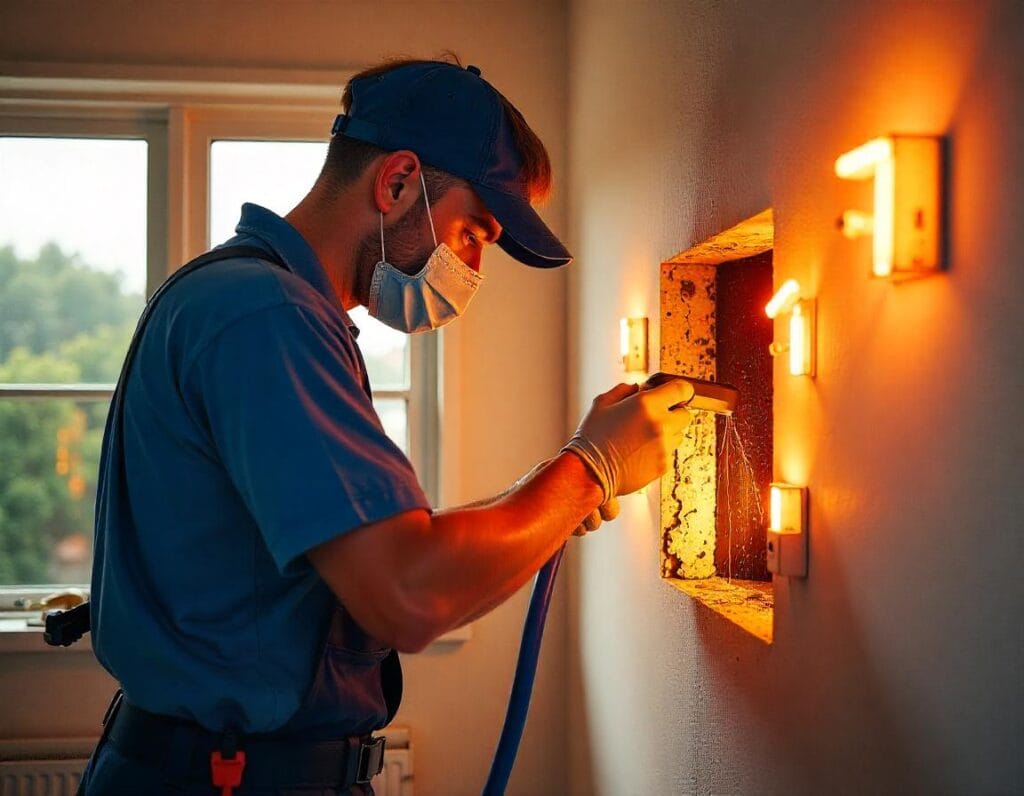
(743,334)
(714,503)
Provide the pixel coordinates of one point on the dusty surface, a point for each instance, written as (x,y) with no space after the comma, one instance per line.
(688,489)
(747,603)
(750,237)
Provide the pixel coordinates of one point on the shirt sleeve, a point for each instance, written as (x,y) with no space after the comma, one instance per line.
(282,396)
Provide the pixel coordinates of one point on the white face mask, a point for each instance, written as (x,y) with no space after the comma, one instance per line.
(437,294)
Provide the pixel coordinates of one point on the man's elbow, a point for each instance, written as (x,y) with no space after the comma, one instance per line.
(408,637)
(395,618)
(413,627)
(411,642)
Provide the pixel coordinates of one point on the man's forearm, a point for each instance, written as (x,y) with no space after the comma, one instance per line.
(476,557)
(414,576)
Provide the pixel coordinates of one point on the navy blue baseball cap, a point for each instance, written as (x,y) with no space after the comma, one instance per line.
(453,120)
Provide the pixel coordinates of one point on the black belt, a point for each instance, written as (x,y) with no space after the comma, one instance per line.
(183,750)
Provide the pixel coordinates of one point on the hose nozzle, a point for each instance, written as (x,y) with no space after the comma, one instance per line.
(709,396)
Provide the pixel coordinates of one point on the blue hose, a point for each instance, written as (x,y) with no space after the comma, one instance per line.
(522,685)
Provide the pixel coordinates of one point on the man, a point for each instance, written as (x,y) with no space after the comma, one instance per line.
(262,547)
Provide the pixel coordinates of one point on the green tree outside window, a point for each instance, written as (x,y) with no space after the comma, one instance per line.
(61,322)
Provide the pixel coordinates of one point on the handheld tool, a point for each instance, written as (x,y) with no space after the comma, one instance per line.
(711,396)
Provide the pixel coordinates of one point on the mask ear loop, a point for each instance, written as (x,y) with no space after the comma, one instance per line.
(423,182)
(383,259)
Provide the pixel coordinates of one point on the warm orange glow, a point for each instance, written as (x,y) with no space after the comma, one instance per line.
(786,508)
(633,344)
(860,163)
(63,463)
(784,299)
(857,224)
(798,365)
(787,535)
(775,509)
(875,158)
(76,487)
(884,218)
(907,217)
(801,328)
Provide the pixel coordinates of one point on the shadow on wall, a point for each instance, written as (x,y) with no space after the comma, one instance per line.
(821,741)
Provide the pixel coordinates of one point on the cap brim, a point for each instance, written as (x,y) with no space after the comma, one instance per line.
(524,234)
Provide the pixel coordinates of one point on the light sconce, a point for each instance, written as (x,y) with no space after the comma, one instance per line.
(787,531)
(906,223)
(801,343)
(633,344)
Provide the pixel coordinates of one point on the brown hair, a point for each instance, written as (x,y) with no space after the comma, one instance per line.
(348,158)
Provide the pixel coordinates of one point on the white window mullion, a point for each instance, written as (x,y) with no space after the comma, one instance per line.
(424,420)
(157,227)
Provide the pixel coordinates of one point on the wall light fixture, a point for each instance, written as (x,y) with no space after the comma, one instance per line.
(801,343)
(906,223)
(787,530)
(633,344)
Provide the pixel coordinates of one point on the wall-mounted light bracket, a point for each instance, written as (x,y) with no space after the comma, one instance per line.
(633,344)
(801,344)
(787,531)
(907,220)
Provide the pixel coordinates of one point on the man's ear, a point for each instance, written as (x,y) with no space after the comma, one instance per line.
(397,176)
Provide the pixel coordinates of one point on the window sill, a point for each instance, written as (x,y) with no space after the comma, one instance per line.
(16,635)
(750,604)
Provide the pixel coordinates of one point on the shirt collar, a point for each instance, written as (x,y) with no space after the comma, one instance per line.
(290,246)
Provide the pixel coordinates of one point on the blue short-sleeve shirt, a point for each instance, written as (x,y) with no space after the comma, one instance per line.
(248,440)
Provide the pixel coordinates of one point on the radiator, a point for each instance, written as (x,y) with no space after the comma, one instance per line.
(53,767)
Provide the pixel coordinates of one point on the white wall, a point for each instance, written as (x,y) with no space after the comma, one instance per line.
(897,664)
(510,405)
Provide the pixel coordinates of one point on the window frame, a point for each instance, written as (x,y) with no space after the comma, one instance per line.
(179,120)
(60,120)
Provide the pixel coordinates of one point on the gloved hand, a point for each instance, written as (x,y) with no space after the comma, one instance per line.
(604,512)
(628,436)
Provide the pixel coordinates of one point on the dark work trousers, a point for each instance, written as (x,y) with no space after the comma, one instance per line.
(357,687)
(110,773)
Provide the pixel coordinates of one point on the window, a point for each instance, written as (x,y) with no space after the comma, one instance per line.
(277,174)
(73,275)
(99,200)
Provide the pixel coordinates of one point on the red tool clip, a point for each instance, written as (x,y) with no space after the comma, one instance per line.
(227,774)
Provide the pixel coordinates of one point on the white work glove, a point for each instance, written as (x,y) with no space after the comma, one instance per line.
(604,512)
(628,436)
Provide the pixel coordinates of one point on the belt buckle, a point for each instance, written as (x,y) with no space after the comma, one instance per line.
(371,760)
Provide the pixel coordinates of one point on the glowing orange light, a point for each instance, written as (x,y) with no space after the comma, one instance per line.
(784,299)
(856,224)
(787,533)
(884,221)
(801,327)
(633,344)
(906,219)
(860,163)
(786,508)
(798,365)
